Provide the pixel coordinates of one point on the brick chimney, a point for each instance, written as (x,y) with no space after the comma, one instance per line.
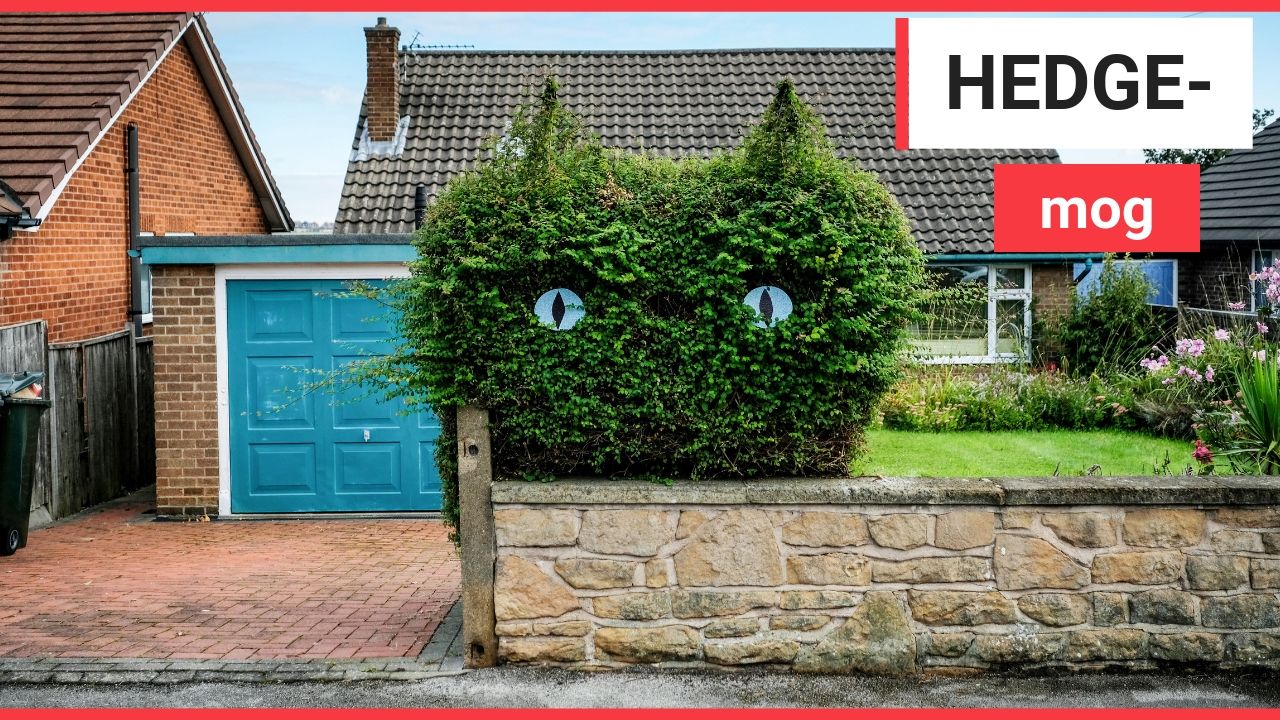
(382,89)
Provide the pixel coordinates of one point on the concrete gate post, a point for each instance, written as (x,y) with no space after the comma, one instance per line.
(478,542)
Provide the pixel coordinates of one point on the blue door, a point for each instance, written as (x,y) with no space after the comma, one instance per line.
(293,451)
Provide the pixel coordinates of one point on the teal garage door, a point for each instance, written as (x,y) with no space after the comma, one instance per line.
(317,452)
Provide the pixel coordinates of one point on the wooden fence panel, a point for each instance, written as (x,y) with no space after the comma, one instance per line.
(97,441)
(69,450)
(25,348)
(108,417)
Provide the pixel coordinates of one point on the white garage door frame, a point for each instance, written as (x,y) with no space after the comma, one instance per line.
(274,271)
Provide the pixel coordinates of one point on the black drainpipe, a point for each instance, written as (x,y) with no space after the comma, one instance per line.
(419,206)
(135,222)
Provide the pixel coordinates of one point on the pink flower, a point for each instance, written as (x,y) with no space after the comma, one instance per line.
(1154,365)
(1208,373)
(1221,334)
(1185,371)
(1261,355)
(1202,453)
(1193,347)
(1262,328)
(1235,306)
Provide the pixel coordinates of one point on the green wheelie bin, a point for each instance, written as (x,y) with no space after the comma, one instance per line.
(20,409)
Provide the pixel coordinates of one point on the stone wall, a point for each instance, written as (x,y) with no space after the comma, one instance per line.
(889,576)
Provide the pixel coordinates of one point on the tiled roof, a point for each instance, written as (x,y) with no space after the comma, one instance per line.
(64,77)
(674,103)
(1240,194)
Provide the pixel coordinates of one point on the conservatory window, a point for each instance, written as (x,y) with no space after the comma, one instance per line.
(1161,274)
(983,315)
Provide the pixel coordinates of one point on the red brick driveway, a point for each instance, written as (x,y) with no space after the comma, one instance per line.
(112,583)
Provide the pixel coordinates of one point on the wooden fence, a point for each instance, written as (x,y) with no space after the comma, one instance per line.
(98,440)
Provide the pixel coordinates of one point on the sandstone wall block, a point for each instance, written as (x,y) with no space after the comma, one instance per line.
(633,606)
(596,573)
(953,607)
(737,627)
(932,570)
(1023,563)
(626,532)
(1082,529)
(522,590)
(1163,528)
(648,644)
(1056,609)
(825,529)
(901,532)
(876,640)
(736,547)
(1163,607)
(1217,572)
(964,529)
(1139,568)
(1240,611)
(542,649)
(713,603)
(1186,647)
(830,569)
(752,652)
(1108,644)
(816,599)
(520,527)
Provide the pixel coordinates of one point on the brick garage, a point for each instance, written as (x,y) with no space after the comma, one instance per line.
(186,390)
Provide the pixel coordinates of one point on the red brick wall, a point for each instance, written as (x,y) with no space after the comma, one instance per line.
(186,383)
(1052,287)
(382,85)
(73,272)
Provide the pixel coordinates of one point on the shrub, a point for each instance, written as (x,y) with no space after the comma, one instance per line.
(668,373)
(1111,326)
(999,398)
(1258,439)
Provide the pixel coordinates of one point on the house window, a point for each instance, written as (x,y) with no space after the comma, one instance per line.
(982,314)
(1261,259)
(1161,274)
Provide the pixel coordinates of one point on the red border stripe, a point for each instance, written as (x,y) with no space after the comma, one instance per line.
(902,96)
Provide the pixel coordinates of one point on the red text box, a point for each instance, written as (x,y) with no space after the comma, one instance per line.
(1135,209)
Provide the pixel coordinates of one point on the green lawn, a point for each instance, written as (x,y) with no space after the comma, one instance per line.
(1008,454)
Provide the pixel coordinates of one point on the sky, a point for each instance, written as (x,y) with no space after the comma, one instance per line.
(301,75)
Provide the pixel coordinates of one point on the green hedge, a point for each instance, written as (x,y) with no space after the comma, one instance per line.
(668,373)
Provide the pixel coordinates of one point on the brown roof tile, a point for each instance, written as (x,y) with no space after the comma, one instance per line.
(62,79)
(677,103)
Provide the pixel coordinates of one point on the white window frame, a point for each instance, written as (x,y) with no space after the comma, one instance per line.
(994,295)
(147,300)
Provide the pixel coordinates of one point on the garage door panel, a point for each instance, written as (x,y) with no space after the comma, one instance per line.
(279,469)
(276,397)
(358,407)
(367,468)
(317,451)
(428,476)
(275,316)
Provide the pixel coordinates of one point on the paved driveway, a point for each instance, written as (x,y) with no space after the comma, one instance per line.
(113,583)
